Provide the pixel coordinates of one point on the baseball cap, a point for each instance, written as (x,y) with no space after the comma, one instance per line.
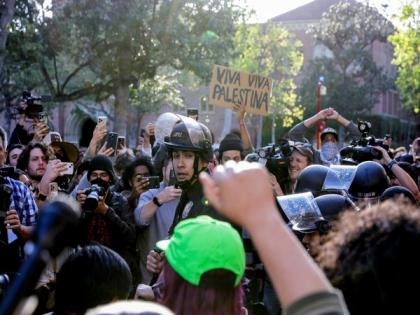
(203,244)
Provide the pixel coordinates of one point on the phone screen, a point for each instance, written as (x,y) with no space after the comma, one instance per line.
(121,142)
(55,137)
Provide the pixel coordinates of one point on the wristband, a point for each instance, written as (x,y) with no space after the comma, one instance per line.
(156,202)
(391,163)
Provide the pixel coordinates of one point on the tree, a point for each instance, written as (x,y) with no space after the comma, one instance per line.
(344,39)
(152,94)
(406,42)
(104,47)
(18,71)
(7,12)
(270,50)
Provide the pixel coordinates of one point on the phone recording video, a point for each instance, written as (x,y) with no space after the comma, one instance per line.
(102,118)
(69,170)
(121,142)
(154,181)
(111,141)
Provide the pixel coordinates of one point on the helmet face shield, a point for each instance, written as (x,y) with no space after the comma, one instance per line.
(164,125)
(302,211)
(339,178)
(190,135)
(318,179)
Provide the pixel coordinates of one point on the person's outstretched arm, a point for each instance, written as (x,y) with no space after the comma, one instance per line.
(292,271)
(403,177)
(297,133)
(245,137)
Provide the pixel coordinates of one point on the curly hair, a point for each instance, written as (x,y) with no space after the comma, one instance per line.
(24,156)
(129,170)
(373,257)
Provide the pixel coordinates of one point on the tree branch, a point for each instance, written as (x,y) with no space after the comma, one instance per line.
(75,72)
(47,77)
(95,89)
(57,82)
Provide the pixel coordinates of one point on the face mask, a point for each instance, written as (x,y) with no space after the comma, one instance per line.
(329,150)
(101,183)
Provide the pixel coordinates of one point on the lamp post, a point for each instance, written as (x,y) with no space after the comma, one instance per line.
(321,90)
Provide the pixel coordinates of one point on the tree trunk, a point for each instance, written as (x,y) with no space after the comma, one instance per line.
(120,110)
(5,19)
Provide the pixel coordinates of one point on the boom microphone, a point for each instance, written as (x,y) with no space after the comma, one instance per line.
(56,228)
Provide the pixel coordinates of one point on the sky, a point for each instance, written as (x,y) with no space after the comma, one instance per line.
(266,9)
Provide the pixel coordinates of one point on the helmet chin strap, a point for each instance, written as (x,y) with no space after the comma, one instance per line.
(188,183)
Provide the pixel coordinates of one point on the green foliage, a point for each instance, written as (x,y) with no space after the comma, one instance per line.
(154,93)
(20,71)
(101,48)
(271,51)
(406,42)
(344,39)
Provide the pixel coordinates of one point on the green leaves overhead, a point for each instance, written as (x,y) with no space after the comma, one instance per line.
(345,39)
(406,42)
(270,50)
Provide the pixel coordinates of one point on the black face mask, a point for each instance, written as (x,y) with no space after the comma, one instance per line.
(101,183)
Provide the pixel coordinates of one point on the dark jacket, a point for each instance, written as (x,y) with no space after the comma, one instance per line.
(118,225)
(192,204)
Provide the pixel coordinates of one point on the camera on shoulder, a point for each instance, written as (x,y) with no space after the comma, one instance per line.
(362,149)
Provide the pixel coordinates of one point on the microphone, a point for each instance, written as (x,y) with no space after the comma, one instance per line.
(56,229)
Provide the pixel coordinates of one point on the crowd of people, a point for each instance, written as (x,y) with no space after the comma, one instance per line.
(214,228)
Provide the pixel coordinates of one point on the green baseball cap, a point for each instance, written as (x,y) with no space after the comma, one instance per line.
(202,244)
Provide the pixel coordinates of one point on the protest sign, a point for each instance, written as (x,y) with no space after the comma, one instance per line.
(230,87)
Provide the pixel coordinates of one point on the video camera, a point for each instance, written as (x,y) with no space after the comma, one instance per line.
(362,149)
(32,106)
(93,193)
(275,155)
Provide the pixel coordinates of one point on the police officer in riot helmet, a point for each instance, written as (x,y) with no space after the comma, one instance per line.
(189,147)
(369,182)
(312,179)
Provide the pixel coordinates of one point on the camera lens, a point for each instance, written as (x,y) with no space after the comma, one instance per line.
(92,200)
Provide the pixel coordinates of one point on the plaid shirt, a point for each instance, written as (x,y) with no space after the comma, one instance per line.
(23,202)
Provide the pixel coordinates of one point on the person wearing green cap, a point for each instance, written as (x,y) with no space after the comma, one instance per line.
(205,262)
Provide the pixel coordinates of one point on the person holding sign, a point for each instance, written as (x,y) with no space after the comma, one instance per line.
(232,147)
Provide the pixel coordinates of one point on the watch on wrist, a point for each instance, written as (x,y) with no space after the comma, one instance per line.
(156,201)
(391,164)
